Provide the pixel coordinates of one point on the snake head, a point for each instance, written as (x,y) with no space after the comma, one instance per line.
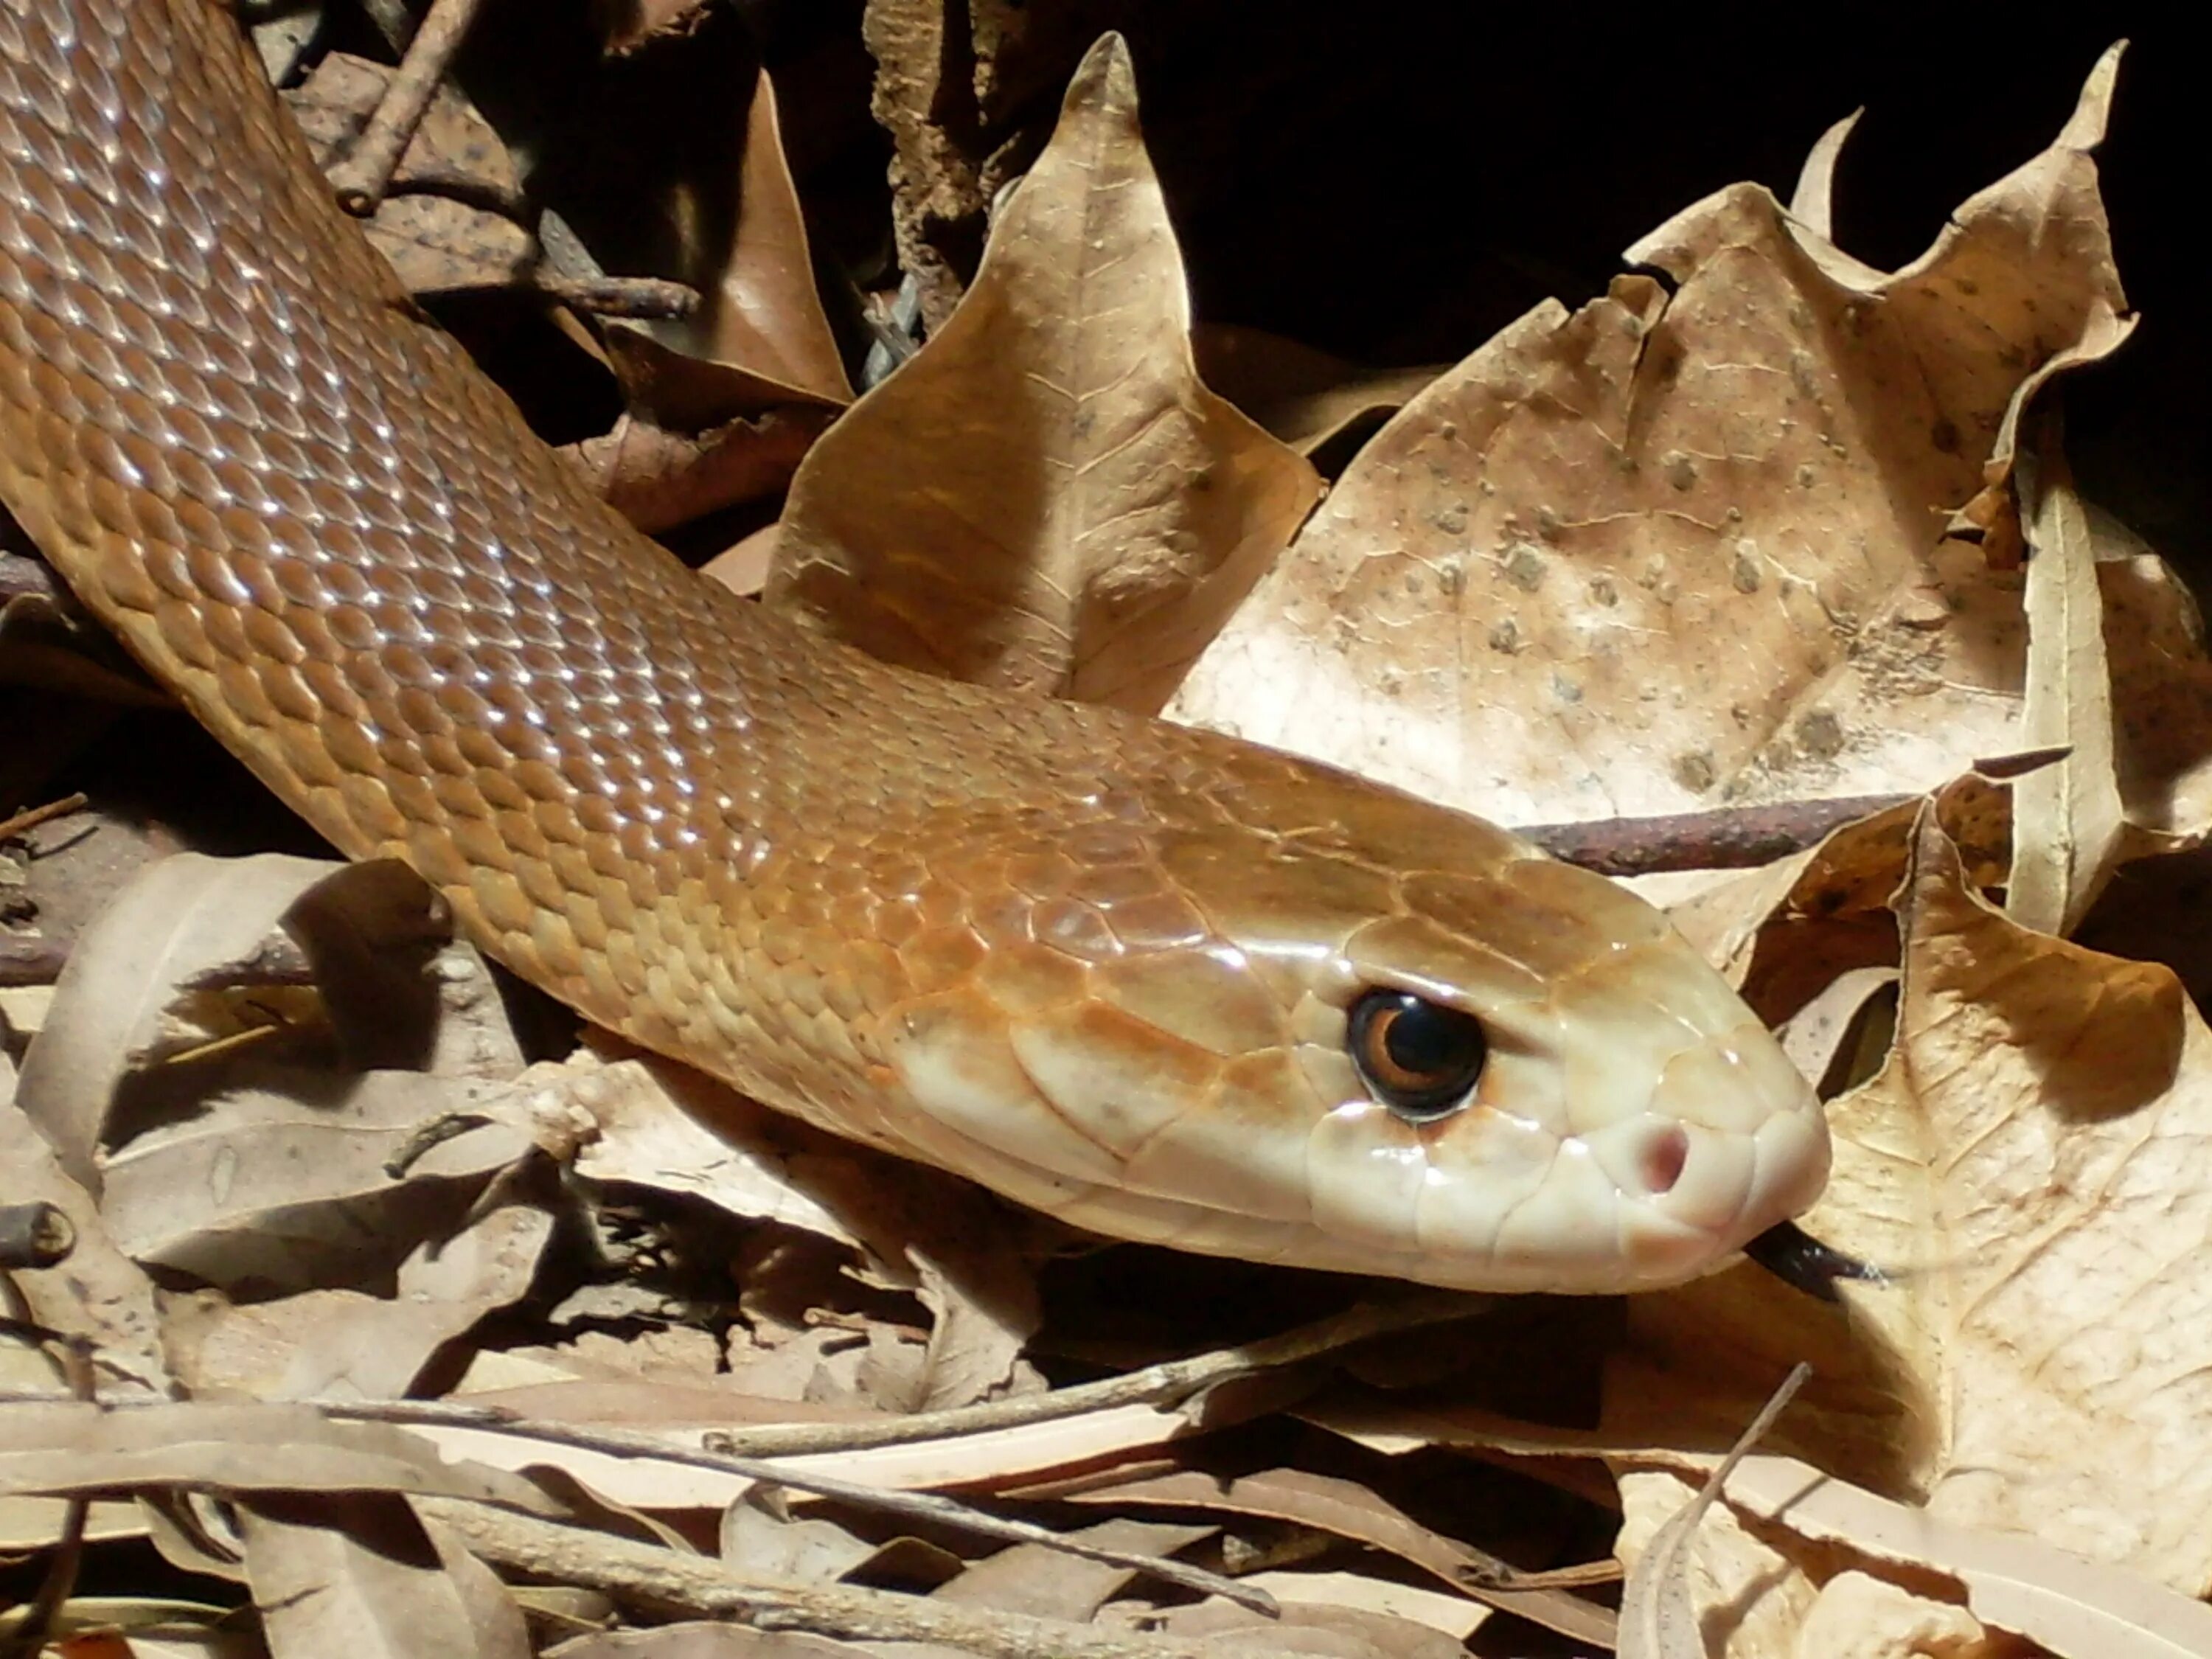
(1287,1015)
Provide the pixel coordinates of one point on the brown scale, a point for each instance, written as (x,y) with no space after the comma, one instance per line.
(1055,948)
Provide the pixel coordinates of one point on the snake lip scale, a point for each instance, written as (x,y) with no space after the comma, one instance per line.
(1109,967)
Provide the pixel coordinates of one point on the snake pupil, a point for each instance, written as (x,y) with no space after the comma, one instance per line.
(1421,1058)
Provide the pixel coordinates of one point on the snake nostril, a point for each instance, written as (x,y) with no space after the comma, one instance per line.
(1664,1158)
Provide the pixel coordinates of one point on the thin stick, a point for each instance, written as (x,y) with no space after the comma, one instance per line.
(1729,838)
(1166,1384)
(31,818)
(28,1638)
(928,1508)
(365,174)
(664,1582)
(35,1235)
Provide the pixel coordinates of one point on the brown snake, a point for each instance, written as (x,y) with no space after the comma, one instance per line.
(1163,984)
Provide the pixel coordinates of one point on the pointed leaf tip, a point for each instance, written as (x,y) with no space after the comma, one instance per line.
(2085,128)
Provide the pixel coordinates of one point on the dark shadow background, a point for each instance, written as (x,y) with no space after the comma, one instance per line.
(1395,182)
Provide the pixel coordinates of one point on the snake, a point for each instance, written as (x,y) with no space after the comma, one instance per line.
(1158,982)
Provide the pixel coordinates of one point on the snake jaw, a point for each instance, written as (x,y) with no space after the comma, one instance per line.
(1634,1127)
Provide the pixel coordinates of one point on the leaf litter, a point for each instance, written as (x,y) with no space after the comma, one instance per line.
(1779,526)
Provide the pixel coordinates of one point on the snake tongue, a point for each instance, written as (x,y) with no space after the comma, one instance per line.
(1797,1259)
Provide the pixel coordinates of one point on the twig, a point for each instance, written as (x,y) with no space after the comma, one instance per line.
(36,1235)
(1169,1383)
(361,177)
(746,1455)
(1727,838)
(1737,837)
(662,1582)
(919,1506)
(925,1507)
(21,575)
(31,961)
(31,818)
(655,298)
(738,1452)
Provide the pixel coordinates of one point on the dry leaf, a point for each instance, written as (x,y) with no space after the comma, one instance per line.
(1328,1631)
(660,1125)
(432,225)
(1304,396)
(1350,1510)
(761,316)
(86,1450)
(1332,1592)
(1813,203)
(1047,497)
(1659,1615)
(98,1293)
(2067,837)
(720,1641)
(659,479)
(346,1345)
(1052,1585)
(1674,550)
(357,1574)
(176,920)
(2067,1605)
(2032,1150)
(779,1546)
(284,1188)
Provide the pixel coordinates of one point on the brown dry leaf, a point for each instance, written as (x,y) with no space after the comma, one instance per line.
(659,479)
(1672,550)
(1302,395)
(29,1524)
(2068,835)
(1331,1631)
(179,919)
(200,958)
(780,1546)
(2033,1148)
(87,1451)
(718,1641)
(142,1627)
(625,28)
(358,1574)
(98,1293)
(431,226)
(662,1125)
(2067,1605)
(1350,1510)
(761,321)
(284,1188)
(2027,1159)
(722,403)
(1659,1616)
(1050,1584)
(1326,1592)
(326,1343)
(1813,203)
(1785,932)
(648,1125)
(1047,497)
(743,566)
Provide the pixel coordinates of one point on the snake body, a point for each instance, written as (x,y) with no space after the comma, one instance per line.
(1102,964)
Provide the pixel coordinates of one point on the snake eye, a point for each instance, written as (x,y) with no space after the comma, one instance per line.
(1422,1059)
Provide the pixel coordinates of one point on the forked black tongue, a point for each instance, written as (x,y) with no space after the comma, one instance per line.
(1797,1259)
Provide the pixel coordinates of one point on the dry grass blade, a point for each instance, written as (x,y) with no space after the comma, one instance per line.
(1658,1620)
